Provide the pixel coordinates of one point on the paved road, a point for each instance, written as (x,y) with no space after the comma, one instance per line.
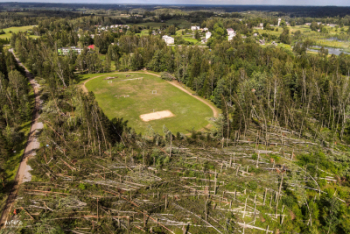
(32,144)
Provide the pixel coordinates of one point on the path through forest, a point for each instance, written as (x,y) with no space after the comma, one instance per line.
(31,145)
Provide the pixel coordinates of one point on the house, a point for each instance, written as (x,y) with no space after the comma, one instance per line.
(207,35)
(67,50)
(168,40)
(230,37)
(255,34)
(231,33)
(308,24)
(279,22)
(331,25)
(205,29)
(274,43)
(262,42)
(194,28)
(91,47)
(204,40)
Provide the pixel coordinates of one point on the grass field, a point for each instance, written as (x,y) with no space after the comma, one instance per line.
(189,112)
(15,30)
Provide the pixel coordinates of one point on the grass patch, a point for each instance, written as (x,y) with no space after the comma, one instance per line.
(189,112)
(8,31)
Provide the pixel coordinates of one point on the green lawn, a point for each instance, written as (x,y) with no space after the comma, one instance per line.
(189,112)
(15,30)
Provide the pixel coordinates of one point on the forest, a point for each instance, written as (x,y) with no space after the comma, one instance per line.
(276,160)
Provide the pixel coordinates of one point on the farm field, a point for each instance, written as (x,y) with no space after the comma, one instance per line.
(129,97)
(8,35)
(327,39)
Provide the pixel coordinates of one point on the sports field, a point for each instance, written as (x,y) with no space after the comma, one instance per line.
(130,95)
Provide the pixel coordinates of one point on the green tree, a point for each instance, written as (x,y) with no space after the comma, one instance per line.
(197,36)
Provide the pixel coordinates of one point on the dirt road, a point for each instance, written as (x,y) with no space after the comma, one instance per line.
(174,83)
(32,144)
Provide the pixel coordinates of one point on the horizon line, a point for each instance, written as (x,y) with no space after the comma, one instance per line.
(155,4)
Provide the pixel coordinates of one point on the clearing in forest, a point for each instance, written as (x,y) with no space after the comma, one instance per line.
(129,98)
(9,31)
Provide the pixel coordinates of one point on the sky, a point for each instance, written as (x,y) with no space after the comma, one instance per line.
(212,2)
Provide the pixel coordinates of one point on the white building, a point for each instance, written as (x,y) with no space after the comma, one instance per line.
(67,50)
(193,28)
(168,40)
(279,22)
(231,33)
(205,29)
(207,35)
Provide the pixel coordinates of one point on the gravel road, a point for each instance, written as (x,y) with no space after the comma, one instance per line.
(32,144)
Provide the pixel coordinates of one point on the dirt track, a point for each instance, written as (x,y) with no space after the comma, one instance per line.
(32,144)
(174,83)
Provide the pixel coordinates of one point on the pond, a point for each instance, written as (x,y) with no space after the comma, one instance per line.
(331,50)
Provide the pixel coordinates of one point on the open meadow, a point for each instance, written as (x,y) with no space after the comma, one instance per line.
(129,95)
(9,31)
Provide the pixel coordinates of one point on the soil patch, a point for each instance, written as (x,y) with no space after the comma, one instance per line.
(156,115)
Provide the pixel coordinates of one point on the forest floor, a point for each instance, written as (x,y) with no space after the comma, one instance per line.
(31,145)
(166,97)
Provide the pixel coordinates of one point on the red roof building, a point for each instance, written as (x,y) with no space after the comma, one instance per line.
(91,47)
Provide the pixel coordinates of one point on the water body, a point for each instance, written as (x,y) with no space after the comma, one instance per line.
(331,50)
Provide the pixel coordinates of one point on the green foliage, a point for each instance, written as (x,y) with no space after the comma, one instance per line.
(82,187)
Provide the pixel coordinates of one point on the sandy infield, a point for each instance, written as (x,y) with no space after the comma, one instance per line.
(156,115)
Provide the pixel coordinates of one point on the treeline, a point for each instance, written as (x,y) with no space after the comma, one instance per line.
(257,89)
(249,82)
(15,109)
(16,19)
